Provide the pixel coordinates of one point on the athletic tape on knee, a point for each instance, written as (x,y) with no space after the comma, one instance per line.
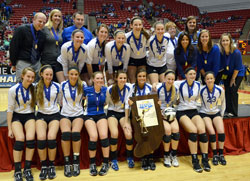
(176,136)
(203,138)
(92,145)
(66,136)
(76,136)
(113,141)
(41,144)
(193,137)
(19,145)
(212,138)
(129,142)
(30,144)
(51,144)
(221,137)
(105,142)
(167,138)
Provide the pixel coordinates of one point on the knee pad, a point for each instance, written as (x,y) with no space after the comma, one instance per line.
(203,138)
(19,145)
(66,136)
(167,138)
(76,136)
(30,144)
(92,145)
(212,138)
(221,137)
(192,137)
(176,136)
(129,142)
(41,144)
(105,142)
(51,144)
(113,141)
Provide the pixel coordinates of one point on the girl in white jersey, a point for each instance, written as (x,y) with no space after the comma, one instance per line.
(213,115)
(189,119)
(156,63)
(118,110)
(137,39)
(117,54)
(96,48)
(48,116)
(71,122)
(20,115)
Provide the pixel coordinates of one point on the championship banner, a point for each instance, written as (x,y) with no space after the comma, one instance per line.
(7,76)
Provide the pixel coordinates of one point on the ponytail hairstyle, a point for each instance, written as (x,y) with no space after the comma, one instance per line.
(114,94)
(105,41)
(143,31)
(40,85)
(173,91)
(79,81)
(32,89)
(136,83)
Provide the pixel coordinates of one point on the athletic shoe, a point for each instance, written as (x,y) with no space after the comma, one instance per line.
(18,176)
(92,169)
(174,161)
(206,165)
(131,162)
(215,160)
(44,173)
(52,172)
(222,160)
(67,170)
(76,169)
(104,170)
(28,175)
(144,164)
(151,164)
(196,165)
(167,161)
(114,165)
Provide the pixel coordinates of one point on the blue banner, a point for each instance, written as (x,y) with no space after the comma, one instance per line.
(7,80)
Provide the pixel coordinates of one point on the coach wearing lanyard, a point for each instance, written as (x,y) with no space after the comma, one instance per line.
(26,46)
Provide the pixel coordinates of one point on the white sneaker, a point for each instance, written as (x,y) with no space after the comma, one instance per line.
(174,160)
(167,161)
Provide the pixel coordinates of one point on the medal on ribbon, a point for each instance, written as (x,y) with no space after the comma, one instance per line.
(227,58)
(47,93)
(33,35)
(158,48)
(25,97)
(143,90)
(72,94)
(122,96)
(75,56)
(167,95)
(205,56)
(190,91)
(55,35)
(210,97)
(139,43)
(97,100)
(119,54)
(186,57)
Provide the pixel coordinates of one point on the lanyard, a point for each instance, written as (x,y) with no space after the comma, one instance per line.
(55,35)
(25,97)
(47,92)
(185,57)
(34,36)
(167,96)
(143,90)
(139,43)
(72,93)
(75,56)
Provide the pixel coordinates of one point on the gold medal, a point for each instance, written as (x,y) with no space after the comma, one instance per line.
(189,99)
(35,46)
(49,104)
(186,63)
(122,106)
(57,43)
(159,57)
(25,106)
(100,60)
(97,109)
(167,105)
(205,61)
(74,103)
(120,63)
(138,53)
(211,106)
(227,68)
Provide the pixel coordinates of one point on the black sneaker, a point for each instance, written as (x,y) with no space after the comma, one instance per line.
(67,171)
(18,176)
(144,164)
(215,160)
(206,165)
(44,173)
(196,165)
(76,169)
(52,172)
(104,170)
(222,160)
(92,169)
(151,164)
(28,175)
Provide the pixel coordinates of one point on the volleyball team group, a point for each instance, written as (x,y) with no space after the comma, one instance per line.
(135,64)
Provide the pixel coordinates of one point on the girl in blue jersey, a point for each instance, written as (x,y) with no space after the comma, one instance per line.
(189,119)
(71,122)
(233,73)
(96,122)
(118,112)
(185,55)
(208,58)
(20,116)
(48,116)
(212,115)
(137,39)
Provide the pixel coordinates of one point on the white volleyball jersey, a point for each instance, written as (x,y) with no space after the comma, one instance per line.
(123,101)
(172,44)
(70,58)
(19,99)
(209,100)
(147,90)
(95,53)
(188,95)
(115,57)
(137,46)
(69,96)
(51,96)
(157,51)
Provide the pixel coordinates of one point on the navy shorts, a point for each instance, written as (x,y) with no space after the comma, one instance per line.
(157,70)
(137,62)
(23,118)
(189,113)
(84,69)
(117,115)
(95,67)
(95,118)
(72,118)
(48,117)
(211,116)
(115,68)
